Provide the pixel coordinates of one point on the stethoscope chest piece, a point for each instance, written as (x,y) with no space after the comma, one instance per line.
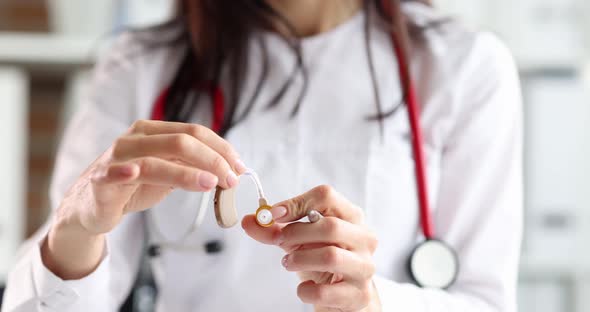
(433,264)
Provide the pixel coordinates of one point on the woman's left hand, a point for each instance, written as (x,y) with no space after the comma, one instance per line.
(332,256)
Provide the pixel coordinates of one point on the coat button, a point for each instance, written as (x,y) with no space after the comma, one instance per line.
(213,247)
(154,251)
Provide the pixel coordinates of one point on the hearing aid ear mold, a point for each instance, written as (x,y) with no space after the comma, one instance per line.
(263,214)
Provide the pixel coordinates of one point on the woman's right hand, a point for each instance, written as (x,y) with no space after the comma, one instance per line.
(136,172)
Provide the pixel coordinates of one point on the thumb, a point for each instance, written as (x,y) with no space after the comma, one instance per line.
(323,199)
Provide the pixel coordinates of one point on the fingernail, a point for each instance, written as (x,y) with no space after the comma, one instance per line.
(240,166)
(207,180)
(284,261)
(232,179)
(278,212)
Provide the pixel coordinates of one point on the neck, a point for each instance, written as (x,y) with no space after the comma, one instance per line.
(311,17)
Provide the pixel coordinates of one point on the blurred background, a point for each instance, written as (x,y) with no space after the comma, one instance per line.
(47,48)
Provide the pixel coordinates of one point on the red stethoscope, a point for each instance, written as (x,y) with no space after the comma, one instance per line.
(432,263)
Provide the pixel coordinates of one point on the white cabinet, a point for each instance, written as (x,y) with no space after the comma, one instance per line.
(557,167)
(547,32)
(539,32)
(138,13)
(97,19)
(473,12)
(556,262)
(81,18)
(13,161)
(551,295)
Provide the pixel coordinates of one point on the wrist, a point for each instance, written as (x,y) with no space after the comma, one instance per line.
(375,303)
(70,251)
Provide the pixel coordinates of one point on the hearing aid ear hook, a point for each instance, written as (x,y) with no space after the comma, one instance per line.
(224,205)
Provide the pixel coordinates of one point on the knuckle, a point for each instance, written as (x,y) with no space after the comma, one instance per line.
(137,126)
(145,166)
(181,142)
(358,215)
(372,242)
(286,232)
(331,226)
(187,178)
(227,149)
(332,256)
(218,163)
(368,270)
(197,131)
(320,294)
(324,191)
(297,204)
(118,147)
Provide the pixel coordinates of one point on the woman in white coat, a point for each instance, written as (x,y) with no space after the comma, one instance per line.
(313,103)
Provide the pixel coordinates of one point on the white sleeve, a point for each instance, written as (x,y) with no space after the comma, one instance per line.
(104,116)
(479,205)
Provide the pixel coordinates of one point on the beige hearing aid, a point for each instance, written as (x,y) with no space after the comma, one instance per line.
(224,204)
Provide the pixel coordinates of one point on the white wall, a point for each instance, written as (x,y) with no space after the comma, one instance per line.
(13,160)
(539,32)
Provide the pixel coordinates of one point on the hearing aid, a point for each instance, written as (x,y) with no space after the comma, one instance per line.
(263,214)
(224,205)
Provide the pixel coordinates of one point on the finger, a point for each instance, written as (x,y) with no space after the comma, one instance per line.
(266,235)
(330,231)
(109,182)
(202,133)
(330,259)
(270,235)
(116,173)
(342,296)
(323,199)
(156,171)
(177,146)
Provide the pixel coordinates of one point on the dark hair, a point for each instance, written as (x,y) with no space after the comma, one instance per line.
(218,33)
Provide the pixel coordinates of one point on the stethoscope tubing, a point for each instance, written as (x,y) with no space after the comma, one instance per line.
(413,110)
(417,138)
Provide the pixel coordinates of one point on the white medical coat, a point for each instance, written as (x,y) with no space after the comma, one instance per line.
(471,116)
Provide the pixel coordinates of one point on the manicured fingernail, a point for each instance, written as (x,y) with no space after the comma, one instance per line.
(232,179)
(284,261)
(207,180)
(278,212)
(240,166)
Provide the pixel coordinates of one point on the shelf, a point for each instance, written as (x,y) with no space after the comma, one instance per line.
(46,50)
(579,268)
